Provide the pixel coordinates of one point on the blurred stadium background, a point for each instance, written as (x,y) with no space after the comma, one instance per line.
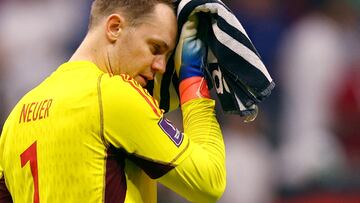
(304,146)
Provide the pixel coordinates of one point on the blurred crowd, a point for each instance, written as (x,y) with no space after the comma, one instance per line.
(304,146)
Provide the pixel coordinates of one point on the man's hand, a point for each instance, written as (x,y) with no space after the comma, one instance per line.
(190,52)
(189,61)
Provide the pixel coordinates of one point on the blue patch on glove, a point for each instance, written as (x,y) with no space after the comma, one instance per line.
(192,59)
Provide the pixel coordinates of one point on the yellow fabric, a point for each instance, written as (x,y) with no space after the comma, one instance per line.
(129,112)
(201,177)
(77,113)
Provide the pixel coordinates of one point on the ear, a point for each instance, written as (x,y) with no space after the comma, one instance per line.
(114,26)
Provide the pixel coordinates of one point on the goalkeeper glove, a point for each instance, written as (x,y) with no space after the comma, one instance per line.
(190,54)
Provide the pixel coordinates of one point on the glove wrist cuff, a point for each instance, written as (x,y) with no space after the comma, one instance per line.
(192,88)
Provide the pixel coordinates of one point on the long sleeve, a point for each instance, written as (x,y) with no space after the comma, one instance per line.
(201,177)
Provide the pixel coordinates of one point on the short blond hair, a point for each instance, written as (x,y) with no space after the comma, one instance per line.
(134,10)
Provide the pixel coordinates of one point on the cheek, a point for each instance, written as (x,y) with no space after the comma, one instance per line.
(143,64)
(134,55)
(135,51)
(142,57)
(138,64)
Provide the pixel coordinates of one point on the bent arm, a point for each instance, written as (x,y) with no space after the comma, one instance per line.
(188,163)
(201,177)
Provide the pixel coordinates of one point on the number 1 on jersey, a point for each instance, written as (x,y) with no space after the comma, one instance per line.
(30,154)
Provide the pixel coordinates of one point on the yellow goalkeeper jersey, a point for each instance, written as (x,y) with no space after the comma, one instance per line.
(83,136)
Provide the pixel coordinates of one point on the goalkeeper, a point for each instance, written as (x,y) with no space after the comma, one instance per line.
(91,133)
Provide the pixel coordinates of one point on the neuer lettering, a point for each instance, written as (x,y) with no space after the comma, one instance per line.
(35,111)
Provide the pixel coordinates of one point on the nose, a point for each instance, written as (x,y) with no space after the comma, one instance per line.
(159,64)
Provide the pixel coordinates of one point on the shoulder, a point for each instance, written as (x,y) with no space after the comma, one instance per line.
(122,91)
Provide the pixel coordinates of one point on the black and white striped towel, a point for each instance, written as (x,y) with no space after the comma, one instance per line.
(233,68)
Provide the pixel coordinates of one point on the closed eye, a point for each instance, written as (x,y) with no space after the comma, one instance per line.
(156,49)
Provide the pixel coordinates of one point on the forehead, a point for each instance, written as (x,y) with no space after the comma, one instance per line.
(161,24)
